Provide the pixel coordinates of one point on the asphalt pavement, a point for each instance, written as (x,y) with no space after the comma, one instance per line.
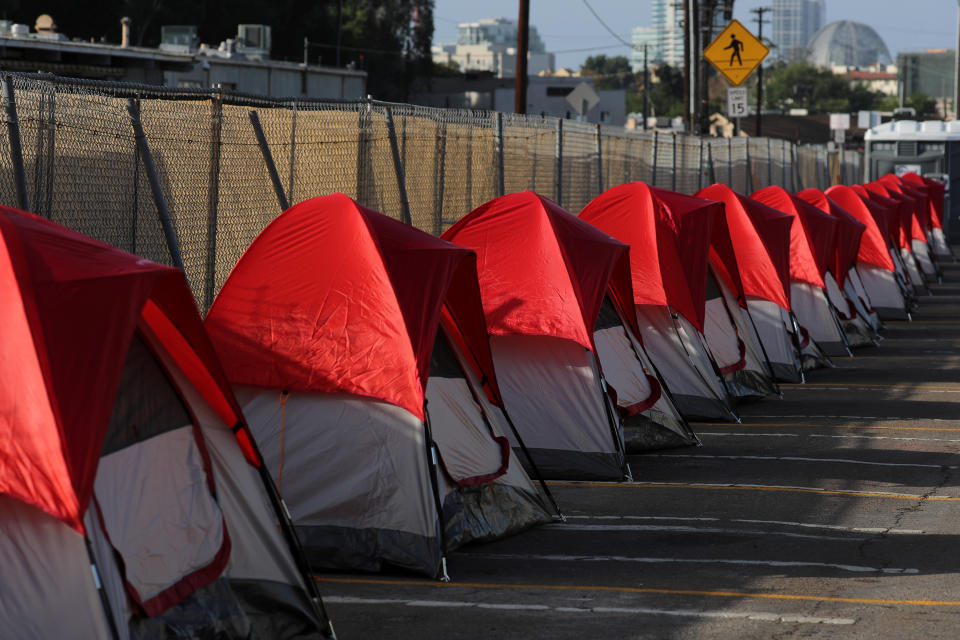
(831,513)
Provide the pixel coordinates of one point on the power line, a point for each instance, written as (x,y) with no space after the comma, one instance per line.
(607,27)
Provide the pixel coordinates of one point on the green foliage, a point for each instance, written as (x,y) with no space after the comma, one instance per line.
(666,95)
(799,85)
(924,104)
(609,72)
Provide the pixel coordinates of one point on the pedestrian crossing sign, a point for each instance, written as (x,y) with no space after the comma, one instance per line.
(736,53)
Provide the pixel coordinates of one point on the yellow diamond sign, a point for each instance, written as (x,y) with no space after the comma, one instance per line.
(736,53)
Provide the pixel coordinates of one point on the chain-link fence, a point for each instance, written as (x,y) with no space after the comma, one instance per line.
(192,176)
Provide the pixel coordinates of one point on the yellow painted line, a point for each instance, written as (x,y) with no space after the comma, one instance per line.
(733,487)
(821,426)
(649,590)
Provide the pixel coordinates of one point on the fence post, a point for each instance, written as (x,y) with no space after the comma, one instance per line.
(713,169)
(558,164)
(769,162)
(470,165)
(133,108)
(783,162)
(730,162)
(656,148)
(599,161)
(749,176)
(364,119)
(498,141)
(700,166)
(16,151)
(213,198)
(673,178)
(797,176)
(398,167)
(441,160)
(268,159)
(293,150)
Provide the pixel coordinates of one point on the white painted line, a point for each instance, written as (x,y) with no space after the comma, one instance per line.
(737,485)
(687,613)
(724,434)
(649,528)
(852,568)
(807,387)
(782,523)
(727,615)
(795,459)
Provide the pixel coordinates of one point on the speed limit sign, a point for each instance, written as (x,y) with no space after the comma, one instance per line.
(737,102)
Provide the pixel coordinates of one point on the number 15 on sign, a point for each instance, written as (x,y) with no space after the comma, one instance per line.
(737,102)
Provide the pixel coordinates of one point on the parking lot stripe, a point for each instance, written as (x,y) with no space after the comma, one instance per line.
(647,590)
(794,459)
(750,487)
(688,613)
(699,426)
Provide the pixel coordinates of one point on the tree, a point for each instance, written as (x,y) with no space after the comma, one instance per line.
(923,104)
(801,85)
(666,95)
(609,72)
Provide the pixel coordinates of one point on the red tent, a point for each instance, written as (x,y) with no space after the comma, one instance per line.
(904,207)
(873,244)
(70,308)
(935,190)
(812,241)
(849,232)
(920,204)
(760,236)
(885,212)
(669,236)
(338,318)
(542,270)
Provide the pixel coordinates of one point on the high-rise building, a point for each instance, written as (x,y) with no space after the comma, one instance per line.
(794,24)
(667,18)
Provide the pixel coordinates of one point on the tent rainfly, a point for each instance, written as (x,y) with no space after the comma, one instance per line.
(123,449)
(935,191)
(761,241)
(844,289)
(812,246)
(903,229)
(544,275)
(359,353)
(875,272)
(918,196)
(669,236)
(886,213)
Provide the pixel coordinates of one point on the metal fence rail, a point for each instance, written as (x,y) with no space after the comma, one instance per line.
(193,176)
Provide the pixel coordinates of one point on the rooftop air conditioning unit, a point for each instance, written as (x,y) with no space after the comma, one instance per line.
(254,40)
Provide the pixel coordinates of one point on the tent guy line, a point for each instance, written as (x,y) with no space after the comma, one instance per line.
(688,613)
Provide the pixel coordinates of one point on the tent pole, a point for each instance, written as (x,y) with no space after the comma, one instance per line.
(513,427)
(615,426)
(433,467)
(796,346)
(766,356)
(727,404)
(660,379)
(104,600)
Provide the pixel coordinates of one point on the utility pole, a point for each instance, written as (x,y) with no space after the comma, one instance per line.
(707,13)
(692,11)
(956,76)
(646,87)
(523,45)
(760,22)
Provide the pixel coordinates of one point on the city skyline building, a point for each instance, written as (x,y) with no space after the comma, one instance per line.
(795,22)
(490,45)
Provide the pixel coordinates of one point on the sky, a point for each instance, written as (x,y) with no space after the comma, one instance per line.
(569,29)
